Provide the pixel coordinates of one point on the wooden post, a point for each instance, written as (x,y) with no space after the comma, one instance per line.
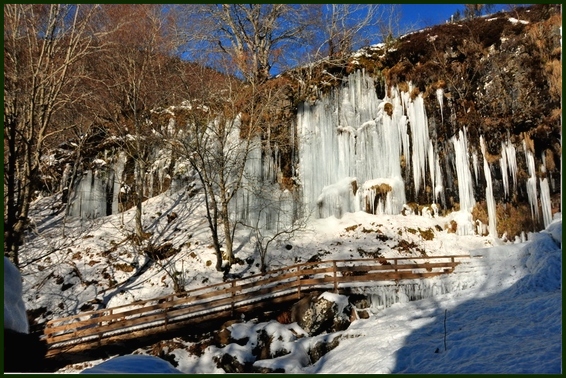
(299,282)
(166,320)
(233,294)
(335,281)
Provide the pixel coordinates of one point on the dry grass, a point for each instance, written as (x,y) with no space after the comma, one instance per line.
(549,160)
(427,234)
(382,189)
(388,107)
(352,228)
(513,220)
(452,227)
(529,142)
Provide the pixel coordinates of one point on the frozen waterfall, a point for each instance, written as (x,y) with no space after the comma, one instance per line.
(351,133)
(545,195)
(96,192)
(351,151)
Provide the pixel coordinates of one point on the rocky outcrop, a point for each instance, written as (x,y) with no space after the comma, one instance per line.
(324,313)
(316,314)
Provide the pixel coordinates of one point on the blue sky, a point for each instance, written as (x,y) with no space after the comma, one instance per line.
(421,15)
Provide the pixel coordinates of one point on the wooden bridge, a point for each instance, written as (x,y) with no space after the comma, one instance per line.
(227,300)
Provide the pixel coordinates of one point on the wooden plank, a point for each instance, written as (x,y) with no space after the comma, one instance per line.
(75,333)
(367,268)
(100,330)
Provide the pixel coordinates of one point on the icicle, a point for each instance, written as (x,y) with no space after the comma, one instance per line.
(489,192)
(89,197)
(434,209)
(523,237)
(419,128)
(383,296)
(400,120)
(431,167)
(508,164)
(475,165)
(439,188)
(503,164)
(545,195)
(531,182)
(512,162)
(391,190)
(440,98)
(349,133)
(465,189)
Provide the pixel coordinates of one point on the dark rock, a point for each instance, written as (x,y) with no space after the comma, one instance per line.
(321,348)
(266,370)
(316,315)
(230,364)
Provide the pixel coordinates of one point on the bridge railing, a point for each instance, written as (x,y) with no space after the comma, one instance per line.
(228,296)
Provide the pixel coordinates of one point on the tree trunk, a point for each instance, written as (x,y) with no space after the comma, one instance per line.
(139,199)
(227,234)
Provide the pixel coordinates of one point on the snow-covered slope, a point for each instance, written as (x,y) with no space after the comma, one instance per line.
(503,309)
(72,265)
(510,323)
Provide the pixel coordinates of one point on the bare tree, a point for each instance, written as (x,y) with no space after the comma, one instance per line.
(135,72)
(343,27)
(476,10)
(273,218)
(231,124)
(217,144)
(253,36)
(390,26)
(43,45)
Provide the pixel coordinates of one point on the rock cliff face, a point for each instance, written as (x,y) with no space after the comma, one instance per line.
(462,117)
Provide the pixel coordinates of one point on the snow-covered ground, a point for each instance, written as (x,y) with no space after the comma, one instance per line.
(503,313)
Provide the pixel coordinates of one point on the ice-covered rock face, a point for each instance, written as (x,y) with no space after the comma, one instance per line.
(352,133)
(351,137)
(350,144)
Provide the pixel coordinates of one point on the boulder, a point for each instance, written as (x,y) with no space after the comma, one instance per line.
(325,313)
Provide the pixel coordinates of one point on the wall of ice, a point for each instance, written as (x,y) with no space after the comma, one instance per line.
(361,152)
(356,151)
(351,137)
(97,190)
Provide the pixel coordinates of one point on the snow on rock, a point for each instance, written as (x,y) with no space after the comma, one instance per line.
(320,314)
